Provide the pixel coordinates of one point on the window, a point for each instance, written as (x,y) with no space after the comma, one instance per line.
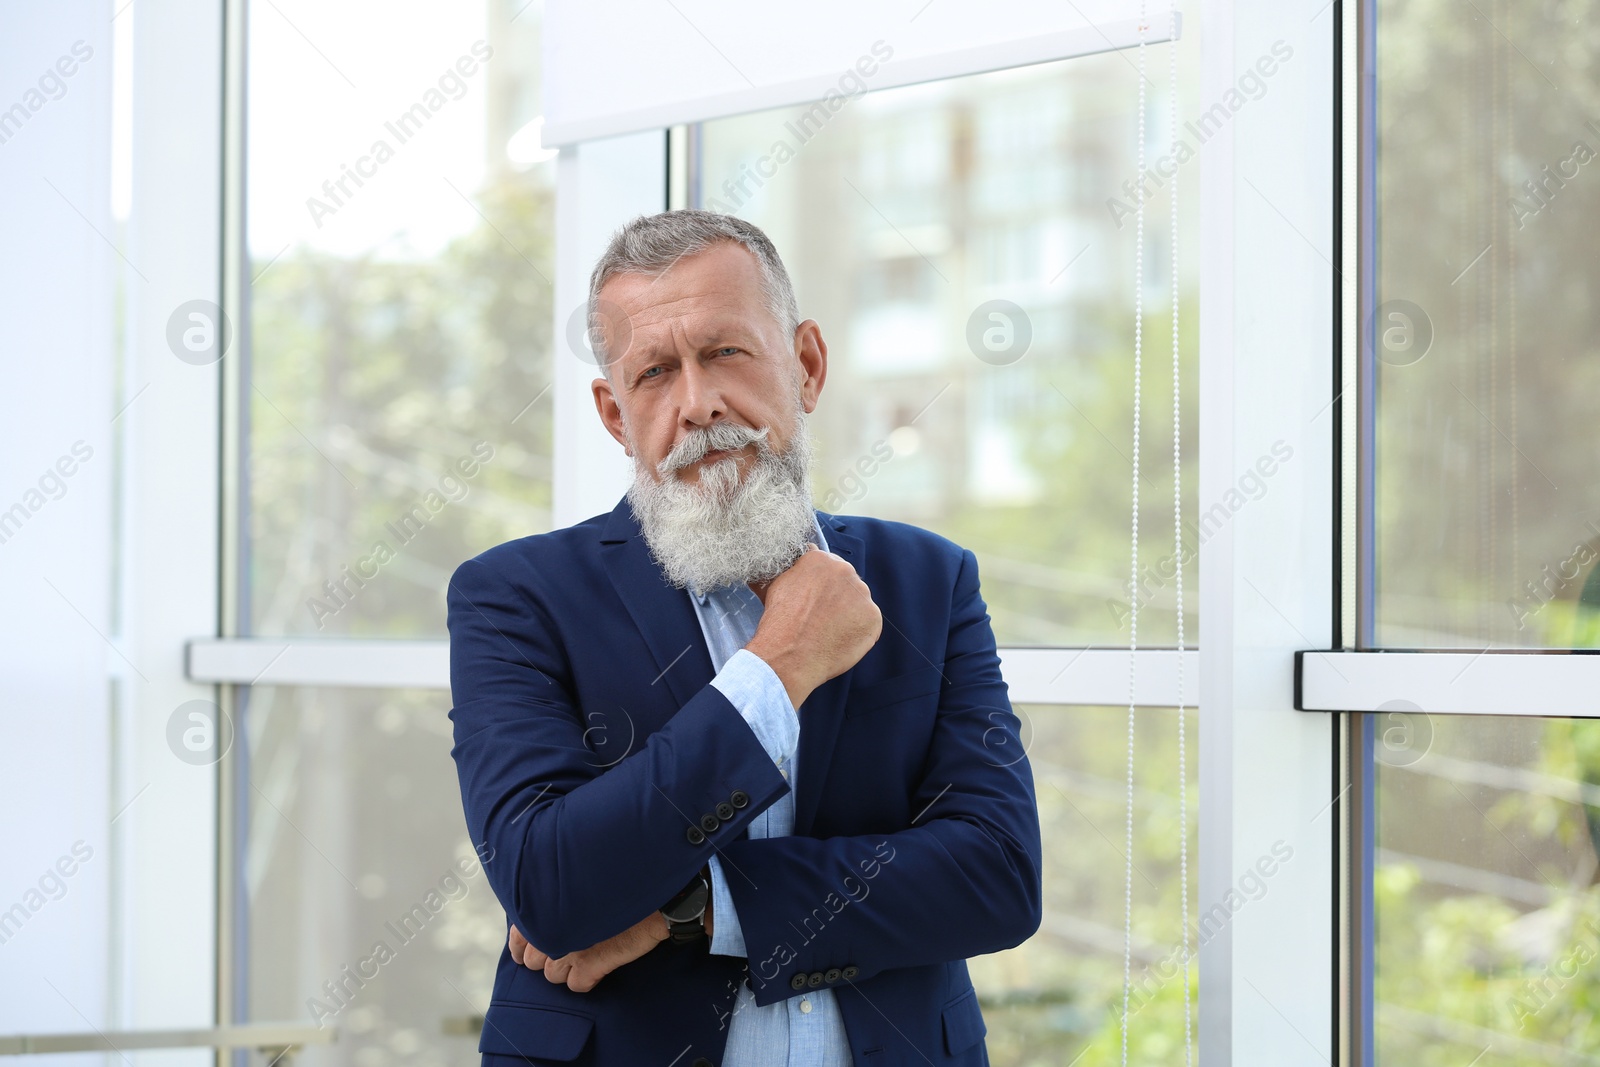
(400,243)
(1059,994)
(1476,325)
(1488,516)
(368,909)
(967,247)
(401,218)
(1487,917)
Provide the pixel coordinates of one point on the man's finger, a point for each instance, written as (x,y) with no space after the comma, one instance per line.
(557,970)
(760,588)
(523,951)
(582,971)
(578,985)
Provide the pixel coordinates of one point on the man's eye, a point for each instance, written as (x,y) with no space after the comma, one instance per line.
(650,372)
(726,351)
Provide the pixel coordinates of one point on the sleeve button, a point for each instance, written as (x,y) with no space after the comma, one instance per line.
(833,975)
(740,798)
(724,811)
(709,822)
(849,972)
(815,979)
(695,836)
(798,981)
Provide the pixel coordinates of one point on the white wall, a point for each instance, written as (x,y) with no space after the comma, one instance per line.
(102,585)
(56,279)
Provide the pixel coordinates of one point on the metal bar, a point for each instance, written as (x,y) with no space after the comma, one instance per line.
(272,1035)
(1346,407)
(321,662)
(678,168)
(1491,682)
(1365,399)
(233,588)
(1214,864)
(1081,676)
(1361,836)
(1099,676)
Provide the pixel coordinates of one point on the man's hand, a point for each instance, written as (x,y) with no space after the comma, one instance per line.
(818,620)
(582,971)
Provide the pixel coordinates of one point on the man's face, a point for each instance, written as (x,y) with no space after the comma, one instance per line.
(702,348)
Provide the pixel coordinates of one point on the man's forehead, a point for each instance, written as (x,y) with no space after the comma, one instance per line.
(689,310)
(653,335)
(721,271)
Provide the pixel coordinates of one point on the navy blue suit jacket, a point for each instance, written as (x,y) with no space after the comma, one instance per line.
(600,770)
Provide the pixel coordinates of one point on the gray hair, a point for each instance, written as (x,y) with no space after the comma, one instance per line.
(652,244)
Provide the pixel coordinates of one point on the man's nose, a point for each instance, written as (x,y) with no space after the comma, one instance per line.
(699,397)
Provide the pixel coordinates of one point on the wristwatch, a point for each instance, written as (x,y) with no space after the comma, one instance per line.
(686,912)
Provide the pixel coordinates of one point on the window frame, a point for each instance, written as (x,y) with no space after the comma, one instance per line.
(1354,679)
(1259,764)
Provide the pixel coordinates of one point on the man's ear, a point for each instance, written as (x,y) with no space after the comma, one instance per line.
(605,402)
(812,353)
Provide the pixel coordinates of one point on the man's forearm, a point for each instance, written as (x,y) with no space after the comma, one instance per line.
(949,890)
(575,864)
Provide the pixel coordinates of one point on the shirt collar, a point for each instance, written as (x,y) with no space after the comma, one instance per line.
(815,538)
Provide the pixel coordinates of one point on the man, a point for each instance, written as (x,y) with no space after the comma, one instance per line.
(747,775)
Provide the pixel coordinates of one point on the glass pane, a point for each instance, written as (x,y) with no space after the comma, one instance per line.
(354,825)
(400,245)
(1488,211)
(967,247)
(366,907)
(1058,996)
(1487,915)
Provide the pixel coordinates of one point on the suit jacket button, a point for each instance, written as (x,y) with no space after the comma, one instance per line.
(740,798)
(815,979)
(798,981)
(833,975)
(709,822)
(695,836)
(724,811)
(849,972)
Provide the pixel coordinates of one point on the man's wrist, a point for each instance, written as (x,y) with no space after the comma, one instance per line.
(797,689)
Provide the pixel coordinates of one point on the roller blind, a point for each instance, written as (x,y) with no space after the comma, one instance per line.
(621,66)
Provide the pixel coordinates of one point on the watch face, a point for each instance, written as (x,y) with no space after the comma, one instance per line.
(690,907)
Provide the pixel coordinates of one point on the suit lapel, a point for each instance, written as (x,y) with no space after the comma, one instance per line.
(662,614)
(667,621)
(823,710)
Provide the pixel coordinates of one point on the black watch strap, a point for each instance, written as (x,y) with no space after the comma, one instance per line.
(681,933)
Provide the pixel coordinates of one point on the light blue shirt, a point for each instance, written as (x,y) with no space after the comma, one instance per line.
(799,1031)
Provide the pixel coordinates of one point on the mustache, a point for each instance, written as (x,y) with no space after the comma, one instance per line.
(720,436)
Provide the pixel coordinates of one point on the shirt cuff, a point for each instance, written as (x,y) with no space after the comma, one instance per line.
(727,937)
(754,688)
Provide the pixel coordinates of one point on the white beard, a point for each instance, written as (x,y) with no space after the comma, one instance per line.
(721,531)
